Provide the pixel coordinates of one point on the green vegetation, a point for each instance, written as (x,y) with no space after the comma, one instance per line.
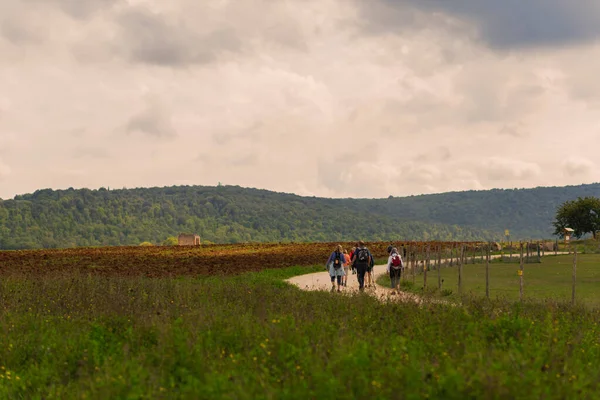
(255,337)
(527,213)
(550,279)
(69,218)
(581,215)
(230,214)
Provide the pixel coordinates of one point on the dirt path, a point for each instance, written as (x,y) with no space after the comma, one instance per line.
(322,281)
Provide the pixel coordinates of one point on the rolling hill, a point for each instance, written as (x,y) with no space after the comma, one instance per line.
(229,214)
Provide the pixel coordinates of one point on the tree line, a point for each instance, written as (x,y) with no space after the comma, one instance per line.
(225,214)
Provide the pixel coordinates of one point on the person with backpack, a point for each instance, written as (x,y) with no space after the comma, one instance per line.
(335,266)
(369,275)
(361,260)
(395,265)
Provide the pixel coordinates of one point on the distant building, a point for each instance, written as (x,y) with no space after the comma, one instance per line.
(185,239)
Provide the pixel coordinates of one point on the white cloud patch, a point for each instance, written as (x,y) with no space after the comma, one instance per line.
(4,170)
(503,169)
(578,167)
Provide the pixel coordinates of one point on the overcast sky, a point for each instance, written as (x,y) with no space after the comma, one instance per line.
(335,98)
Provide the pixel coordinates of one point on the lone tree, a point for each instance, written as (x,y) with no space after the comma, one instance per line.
(581,215)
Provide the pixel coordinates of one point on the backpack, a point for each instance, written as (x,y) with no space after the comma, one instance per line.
(362,256)
(337,261)
(396,261)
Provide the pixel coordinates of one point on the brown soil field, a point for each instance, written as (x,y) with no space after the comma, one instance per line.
(172,261)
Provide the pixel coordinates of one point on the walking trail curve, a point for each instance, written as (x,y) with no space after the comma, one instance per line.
(322,281)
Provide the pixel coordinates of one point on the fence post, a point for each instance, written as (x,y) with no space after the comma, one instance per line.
(511,249)
(543,249)
(411,256)
(429,258)
(439,268)
(521,273)
(487,272)
(459,262)
(414,264)
(482,251)
(556,247)
(574,275)
(539,259)
(425,265)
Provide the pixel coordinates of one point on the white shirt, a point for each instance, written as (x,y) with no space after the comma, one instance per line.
(389,263)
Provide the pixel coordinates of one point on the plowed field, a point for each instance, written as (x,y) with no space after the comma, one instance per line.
(159,261)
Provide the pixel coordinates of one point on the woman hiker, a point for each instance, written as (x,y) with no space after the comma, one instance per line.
(346,267)
(395,265)
(335,265)
(351,264)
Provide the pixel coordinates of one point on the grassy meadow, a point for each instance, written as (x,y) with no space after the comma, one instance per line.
(550,279)
(252,336)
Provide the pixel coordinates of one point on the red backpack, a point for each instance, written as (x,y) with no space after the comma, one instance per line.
(396,261)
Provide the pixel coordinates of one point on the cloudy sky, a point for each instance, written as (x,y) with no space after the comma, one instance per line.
(336,98)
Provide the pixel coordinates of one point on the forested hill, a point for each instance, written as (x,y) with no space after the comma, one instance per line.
(225,214)
(65,218)
(526,213)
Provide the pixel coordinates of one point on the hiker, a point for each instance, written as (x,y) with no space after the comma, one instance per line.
(361,260)
(352,265)
(395,265)
(346,265)
(369,276)
(335,265)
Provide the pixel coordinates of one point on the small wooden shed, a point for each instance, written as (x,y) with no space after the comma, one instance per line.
(187,239)
(568,232)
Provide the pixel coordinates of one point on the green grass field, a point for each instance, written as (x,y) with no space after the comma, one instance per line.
(550,279)
(253,336)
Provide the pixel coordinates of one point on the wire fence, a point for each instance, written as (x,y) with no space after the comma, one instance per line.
(513,270)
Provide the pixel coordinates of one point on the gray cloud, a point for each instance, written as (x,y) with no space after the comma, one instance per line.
(513,130)
(18,33)
(153,121)
(577,167)
(501,24)
(152,38)
(80,9)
